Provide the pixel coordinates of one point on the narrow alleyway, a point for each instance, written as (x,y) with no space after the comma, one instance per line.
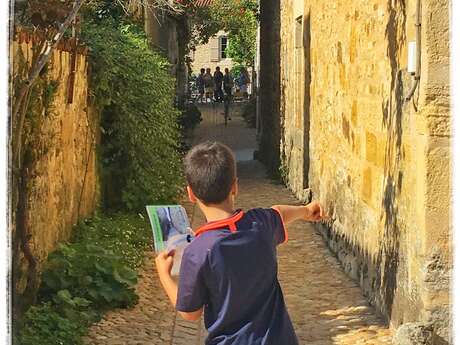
(325,305)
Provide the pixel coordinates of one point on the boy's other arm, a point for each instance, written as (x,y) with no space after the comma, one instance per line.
(164,262)
(313,212)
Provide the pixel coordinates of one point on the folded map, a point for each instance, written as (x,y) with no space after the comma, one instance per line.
(171,230)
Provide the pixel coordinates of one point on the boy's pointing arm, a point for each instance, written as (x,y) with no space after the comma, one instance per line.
(313,212)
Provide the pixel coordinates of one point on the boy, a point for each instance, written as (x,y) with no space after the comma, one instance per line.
(230,268)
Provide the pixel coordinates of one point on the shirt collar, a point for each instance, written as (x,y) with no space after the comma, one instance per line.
(229,223)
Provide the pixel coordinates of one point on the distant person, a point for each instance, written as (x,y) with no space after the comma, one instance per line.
(228,88)
(228,82)
(243,82)
(218,80)
(229,271)
(200,85)
(208,84)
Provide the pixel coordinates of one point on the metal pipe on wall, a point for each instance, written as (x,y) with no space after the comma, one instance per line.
(418,40)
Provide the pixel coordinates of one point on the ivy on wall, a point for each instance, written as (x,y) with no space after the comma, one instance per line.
(134,90)
(36,108)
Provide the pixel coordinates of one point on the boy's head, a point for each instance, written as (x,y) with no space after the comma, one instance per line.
(210,170)
(202,71)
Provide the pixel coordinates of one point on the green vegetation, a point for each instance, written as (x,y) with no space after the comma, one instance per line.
(191,116)
(43,324)
(133,91)
(132,86)
(239,18)
(82,279)
(236,70)
(249,113)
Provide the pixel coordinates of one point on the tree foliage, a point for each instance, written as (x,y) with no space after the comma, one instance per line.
(239,18)
(133,87)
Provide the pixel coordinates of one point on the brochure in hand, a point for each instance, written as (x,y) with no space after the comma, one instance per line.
(171,230)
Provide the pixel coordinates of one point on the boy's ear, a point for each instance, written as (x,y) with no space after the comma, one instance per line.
(191,195)
(234,190)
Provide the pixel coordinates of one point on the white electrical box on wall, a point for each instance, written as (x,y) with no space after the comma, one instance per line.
(412,57)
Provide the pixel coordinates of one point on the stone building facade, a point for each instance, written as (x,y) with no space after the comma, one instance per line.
(379,163)
(166,33)
(211,54)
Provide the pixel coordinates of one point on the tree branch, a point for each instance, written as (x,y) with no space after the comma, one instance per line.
(171,6)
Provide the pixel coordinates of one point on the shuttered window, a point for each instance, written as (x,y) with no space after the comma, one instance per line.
(215,49)
(223,46)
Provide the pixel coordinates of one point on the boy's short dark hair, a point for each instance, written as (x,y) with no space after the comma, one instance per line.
(210,170)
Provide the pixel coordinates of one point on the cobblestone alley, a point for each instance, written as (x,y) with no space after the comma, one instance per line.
(325,305)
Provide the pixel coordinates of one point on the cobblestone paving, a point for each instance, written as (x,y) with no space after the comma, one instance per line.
(326,307)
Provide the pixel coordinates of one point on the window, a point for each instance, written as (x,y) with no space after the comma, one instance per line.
(223,42)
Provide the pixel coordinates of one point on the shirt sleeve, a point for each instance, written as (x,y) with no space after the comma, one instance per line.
(274,223)
(191,294)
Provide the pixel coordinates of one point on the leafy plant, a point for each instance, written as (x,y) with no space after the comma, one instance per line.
(249,113)
(191,117)
(84,278)
(133,87)
(236,70)
(93,274)
(127,236)
(43,324)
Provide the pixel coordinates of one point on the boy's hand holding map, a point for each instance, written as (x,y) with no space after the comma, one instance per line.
(171,233)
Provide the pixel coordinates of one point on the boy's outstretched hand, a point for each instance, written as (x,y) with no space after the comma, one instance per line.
(164,262)
(315,212)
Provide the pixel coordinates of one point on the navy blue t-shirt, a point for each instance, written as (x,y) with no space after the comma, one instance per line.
(231,269)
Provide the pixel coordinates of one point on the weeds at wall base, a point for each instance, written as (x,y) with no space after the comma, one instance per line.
(84,278)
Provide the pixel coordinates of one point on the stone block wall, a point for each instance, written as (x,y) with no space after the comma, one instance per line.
(166,35)
(208,55)
(62,177)
(379,163)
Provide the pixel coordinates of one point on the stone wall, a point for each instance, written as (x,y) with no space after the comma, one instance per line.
(166,35)
(59,153)
(379,163)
